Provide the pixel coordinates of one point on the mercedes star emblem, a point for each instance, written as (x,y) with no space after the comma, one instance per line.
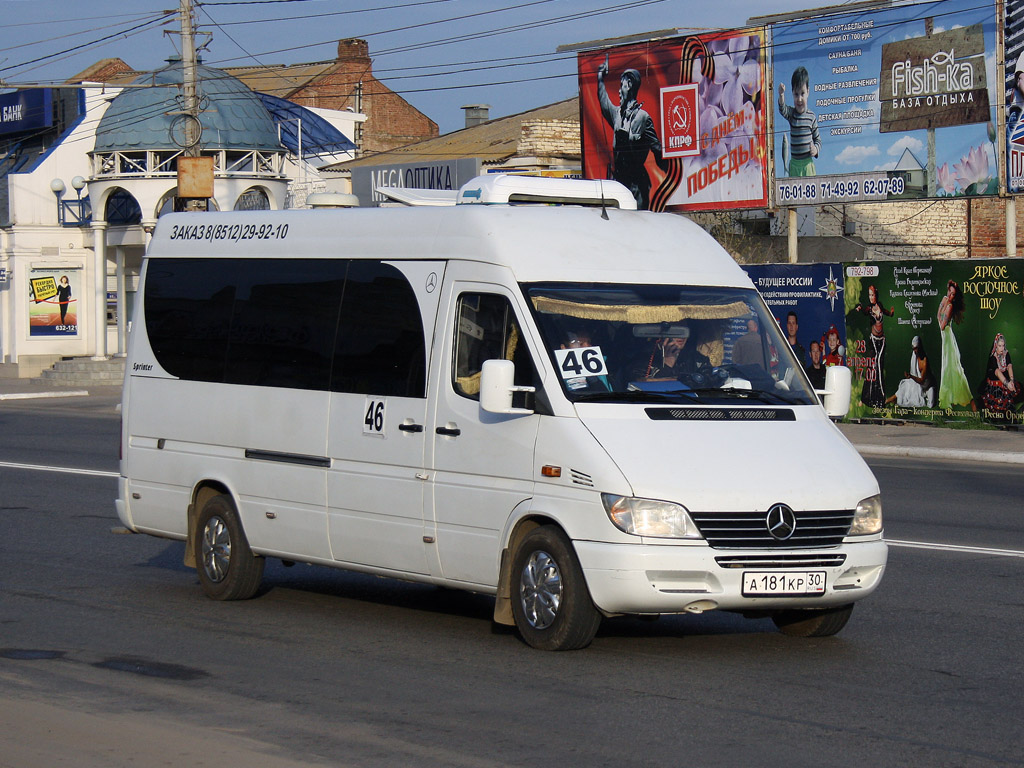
(781,522)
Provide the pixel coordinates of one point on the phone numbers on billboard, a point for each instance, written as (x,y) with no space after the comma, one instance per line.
(837,189)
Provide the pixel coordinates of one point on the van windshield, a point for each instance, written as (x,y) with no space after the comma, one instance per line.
(655,343)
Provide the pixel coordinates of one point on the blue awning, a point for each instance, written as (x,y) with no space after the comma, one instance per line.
(319,137)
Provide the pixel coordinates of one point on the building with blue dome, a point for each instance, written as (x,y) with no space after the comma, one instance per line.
(86,175)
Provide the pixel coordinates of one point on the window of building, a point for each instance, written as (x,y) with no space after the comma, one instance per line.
(253,199)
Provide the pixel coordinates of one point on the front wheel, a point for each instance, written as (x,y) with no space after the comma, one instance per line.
(228,570)
(821,622)
(550,602)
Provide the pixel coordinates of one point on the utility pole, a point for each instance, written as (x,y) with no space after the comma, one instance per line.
(188,61)
(195,172)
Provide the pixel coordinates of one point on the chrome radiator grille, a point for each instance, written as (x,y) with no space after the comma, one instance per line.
(749,530)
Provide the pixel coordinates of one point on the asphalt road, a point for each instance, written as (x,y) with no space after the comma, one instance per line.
(111,656)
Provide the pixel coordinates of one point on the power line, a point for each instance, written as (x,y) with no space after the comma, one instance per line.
(121,33)
(468,36)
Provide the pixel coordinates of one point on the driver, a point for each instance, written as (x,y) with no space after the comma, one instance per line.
(672,357)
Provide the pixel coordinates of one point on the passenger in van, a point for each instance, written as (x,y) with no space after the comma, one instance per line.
(671,358)
(580,338)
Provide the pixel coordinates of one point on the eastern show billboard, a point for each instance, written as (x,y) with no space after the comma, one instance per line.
(859,97)
(936,340)
(680,122)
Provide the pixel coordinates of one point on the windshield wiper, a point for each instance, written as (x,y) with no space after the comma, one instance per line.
(744,394)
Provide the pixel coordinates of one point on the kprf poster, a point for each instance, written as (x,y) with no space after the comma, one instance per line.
(680,122)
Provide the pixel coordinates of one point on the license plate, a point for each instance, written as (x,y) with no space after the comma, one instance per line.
(783,583)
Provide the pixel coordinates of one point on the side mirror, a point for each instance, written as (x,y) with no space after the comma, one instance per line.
(838,385)
(497,387)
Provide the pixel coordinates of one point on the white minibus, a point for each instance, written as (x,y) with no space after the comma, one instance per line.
(583,410)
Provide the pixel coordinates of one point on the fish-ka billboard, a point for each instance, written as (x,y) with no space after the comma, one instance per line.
(680,122)
(886,104)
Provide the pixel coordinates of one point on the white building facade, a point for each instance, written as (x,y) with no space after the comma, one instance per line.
(84,180)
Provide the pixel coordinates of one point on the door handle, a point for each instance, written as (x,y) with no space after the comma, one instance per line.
(449,431)
(411,427)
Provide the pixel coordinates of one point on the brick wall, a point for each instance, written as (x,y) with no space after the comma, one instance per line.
(549,138)
(391,121)
(926,229)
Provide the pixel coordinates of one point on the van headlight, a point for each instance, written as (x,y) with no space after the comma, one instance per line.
(867,518)
(647,517)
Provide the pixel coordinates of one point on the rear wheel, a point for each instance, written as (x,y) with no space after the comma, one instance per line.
(550,602)
(228,570)
(821,622)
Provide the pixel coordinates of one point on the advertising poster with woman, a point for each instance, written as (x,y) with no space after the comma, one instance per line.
(936,340)
(53,302)
(807,302)
(679,122)
(886,104)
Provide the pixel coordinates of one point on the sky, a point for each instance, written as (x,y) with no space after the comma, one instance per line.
(438,54)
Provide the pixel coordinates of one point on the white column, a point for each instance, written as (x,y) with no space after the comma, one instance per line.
(6,310)
(99,293)
(122,339)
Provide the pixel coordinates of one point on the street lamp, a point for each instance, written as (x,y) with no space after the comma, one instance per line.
(57,187)
(77,207)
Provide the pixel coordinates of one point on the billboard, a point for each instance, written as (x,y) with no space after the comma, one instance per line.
(368,180)
(26,110)
(680,122)
(936,340)
(886,104)
(807,302)
(53,302)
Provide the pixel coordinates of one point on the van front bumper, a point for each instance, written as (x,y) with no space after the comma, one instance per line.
(651,578)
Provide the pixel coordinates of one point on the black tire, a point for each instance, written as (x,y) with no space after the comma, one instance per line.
(822,622)
(550,602)
(228,570)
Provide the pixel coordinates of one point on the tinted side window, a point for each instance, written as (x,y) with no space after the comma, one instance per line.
(261,322)
(188,314)
(283,322)
(487,330)
(380,348)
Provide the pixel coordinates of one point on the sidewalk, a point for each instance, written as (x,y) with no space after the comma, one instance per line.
(890,439)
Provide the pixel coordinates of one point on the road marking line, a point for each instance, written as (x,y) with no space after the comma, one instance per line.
(67,470)
(955,548)
(38,395)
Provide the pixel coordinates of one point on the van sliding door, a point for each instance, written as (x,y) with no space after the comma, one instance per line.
(377,424)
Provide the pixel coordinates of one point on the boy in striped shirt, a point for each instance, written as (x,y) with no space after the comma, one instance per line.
(804,141)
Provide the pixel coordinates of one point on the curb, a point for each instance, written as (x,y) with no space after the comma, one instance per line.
(995,457)
(35,395)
